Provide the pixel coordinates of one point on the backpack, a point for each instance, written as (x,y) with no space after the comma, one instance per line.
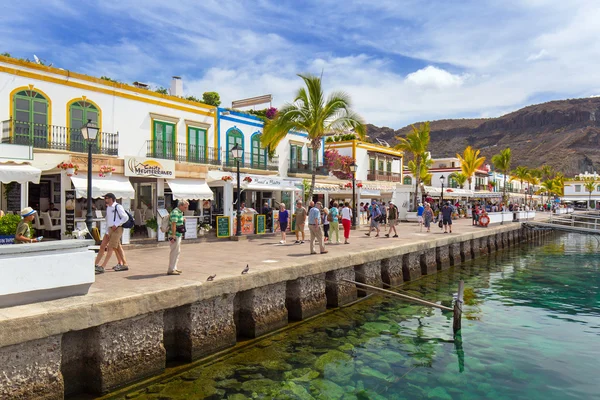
(130,222)
(165,224)
(329,217)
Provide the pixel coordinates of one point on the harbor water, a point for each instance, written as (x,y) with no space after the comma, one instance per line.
(531,330)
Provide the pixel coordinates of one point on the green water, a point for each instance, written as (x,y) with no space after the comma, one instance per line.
(532,331)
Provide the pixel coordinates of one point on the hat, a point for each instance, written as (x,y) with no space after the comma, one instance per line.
(27,211)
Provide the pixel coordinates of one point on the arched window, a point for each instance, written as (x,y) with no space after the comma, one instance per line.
(31,118)
(79,113)
(234,135)
(407,180)
(259,153)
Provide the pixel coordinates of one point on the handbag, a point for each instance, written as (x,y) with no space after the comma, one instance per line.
(440,223)
(180,229)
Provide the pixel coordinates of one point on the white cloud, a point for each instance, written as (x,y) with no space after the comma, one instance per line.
(433,77)
(542,54)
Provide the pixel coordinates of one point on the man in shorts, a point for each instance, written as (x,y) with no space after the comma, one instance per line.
(115,217)
(301,214)
(447,211)
(420,214)
(392,219)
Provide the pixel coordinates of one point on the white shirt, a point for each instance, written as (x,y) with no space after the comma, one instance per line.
(346,213)
(115,219)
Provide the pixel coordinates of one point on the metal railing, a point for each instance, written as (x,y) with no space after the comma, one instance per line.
(249,161)
(300,167)
(182,152)
(384,176)
(42,136)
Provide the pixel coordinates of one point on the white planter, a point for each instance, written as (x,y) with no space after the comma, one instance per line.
(70,171)
(151,233)
(107,174)
(411,217)
(201,232)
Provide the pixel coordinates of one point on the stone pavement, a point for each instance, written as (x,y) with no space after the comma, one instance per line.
(117,295)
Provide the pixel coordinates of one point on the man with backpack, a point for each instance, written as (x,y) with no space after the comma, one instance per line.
(116,219)
(376,217)
(392,219)
(175,233)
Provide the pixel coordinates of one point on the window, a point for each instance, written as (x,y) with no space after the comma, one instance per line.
(598,189)
(234,135)
(31,118)
(79,113)
(196,144)
(388,166)
(407,180)
(309,155)
(164,142)
(372,165)
(259,153)
(578,188)
(380,166)
(452,182)
(295,155)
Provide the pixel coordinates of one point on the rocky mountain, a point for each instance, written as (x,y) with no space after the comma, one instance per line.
(564,134)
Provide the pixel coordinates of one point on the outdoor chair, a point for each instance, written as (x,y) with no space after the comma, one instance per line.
(37,224)
(48,226)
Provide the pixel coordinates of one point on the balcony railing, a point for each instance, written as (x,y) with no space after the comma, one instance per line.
(300,167)
(42,136)
(384,176)
(248,161)
(182,152)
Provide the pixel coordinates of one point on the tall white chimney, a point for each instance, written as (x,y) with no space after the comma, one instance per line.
(176,86)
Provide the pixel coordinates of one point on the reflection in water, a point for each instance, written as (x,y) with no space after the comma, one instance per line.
(531,330)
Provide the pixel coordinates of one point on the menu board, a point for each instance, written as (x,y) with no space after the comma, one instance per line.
(191,228)
(223,227)
(261,224)
(13,196)
(70,202)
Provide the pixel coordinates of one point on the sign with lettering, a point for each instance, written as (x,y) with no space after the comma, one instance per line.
(149,167)
(223,227)
(70,203)
(261,224)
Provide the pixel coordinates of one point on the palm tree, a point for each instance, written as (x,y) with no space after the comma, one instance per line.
(416,143)
(590,186)
(312,113)
(547,171)
(534,179)
(426,163)
(470,163)
(459,178)
(521,174)
(501,162)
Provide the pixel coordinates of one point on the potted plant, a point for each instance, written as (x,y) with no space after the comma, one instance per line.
(226,178)
(152,227)
(8,228)
(203,229)
(69,168)
(106,171)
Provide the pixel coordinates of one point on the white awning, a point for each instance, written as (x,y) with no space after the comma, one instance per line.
(190,189)
(257,182)
(119,185)
(21,173)
(369,193)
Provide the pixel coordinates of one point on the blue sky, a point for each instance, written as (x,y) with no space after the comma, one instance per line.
(402,61)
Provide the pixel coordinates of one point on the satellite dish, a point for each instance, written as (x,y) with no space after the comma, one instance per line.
(37,60)
(383,142)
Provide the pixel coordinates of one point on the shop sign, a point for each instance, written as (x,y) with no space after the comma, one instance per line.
(261,224)
(149,167)
(223,227)
(70,203)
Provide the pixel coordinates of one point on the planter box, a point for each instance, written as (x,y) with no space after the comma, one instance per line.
(498,217)
(151,233)
(7,239)
(411,217)
(30,273)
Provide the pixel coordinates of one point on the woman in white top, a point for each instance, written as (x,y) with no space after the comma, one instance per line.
(346,215)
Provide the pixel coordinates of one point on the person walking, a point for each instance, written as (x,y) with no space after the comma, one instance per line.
(115,218)
(475,214)
(346,215)
(266,210)
(362,213)
(375,218)
(392,219)
(301,214)
(23,232)
(384,211)
(334,226)
(427,216)
(176,232)
(326,224)
(420,214)
(284,217)
(446,212)
(314,226)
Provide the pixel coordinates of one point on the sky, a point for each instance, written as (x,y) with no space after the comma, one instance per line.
(402,61)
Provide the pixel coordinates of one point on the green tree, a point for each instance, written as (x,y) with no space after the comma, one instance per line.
(547,172)
(470,162)
(417,143)
(501,162)
(424,173)
(312,113)
(211,98)
(460,179)
(590,186)
(161,90)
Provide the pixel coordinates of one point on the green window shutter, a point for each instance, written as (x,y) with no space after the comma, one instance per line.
(234,136)
(196,144)
(31,118)
(164,140)
(258,153)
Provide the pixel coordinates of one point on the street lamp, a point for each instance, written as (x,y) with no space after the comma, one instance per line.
(353,170)
(442,179)
(237,151)
(89,132)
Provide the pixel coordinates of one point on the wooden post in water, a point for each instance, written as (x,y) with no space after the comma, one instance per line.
(458,304)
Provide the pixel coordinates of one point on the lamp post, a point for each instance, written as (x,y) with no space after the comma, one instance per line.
(89,132)
(353,170)
(442,179)
(237,153)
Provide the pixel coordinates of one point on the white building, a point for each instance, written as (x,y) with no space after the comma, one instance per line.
(576,192)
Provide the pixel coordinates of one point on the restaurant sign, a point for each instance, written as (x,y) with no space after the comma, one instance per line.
(149,167)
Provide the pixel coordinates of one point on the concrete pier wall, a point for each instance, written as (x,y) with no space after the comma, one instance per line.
(98,348)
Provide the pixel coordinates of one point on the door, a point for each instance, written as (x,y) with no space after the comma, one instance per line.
(163,145)
(31,119)
(79,114)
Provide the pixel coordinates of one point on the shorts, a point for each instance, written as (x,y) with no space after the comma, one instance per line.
(447,221)
(374,224)
(114,237)
(420,219)
(299,227)
(283,226)
(393,222)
